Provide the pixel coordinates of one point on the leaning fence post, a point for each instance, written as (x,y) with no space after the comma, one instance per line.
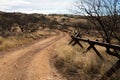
(111,71)
(108,46)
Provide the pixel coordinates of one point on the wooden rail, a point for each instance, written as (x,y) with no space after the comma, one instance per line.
(116,49)
(113,46)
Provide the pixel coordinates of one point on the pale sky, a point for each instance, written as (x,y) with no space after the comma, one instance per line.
(37,6)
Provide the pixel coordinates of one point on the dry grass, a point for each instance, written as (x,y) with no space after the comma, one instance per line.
(74,65)
(6,44)
(14,41)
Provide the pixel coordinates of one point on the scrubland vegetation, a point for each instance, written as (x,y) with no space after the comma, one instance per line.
(73,64)
(101,23)
(6,43)
(17,29)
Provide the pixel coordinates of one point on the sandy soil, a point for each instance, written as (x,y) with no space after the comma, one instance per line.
(31,62)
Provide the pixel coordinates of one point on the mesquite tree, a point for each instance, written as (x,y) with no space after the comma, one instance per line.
(104,14)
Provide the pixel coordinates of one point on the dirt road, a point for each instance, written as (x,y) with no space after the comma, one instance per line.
(31,62)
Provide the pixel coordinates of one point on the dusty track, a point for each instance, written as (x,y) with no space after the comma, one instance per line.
(31,62)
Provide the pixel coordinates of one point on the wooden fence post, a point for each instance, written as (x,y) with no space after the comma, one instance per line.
(108,46)
(111,71)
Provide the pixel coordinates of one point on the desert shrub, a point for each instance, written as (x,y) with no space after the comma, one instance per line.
(1,40)
(83,25)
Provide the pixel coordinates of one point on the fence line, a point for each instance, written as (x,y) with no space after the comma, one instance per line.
(116,49)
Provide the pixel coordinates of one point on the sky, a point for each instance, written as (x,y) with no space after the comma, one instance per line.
(37,6)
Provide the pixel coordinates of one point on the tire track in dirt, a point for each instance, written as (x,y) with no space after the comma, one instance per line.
(17,69)
(41,68)
(26,59)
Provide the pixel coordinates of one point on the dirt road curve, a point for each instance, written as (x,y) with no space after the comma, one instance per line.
(31,62)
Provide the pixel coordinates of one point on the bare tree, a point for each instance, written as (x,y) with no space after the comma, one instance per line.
(104,14)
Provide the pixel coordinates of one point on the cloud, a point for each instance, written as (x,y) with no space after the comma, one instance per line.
(36,6)
(47,11)
(8,4)
(12,2)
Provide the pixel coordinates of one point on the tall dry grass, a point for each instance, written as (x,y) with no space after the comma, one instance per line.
(74,65)
(6,43)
